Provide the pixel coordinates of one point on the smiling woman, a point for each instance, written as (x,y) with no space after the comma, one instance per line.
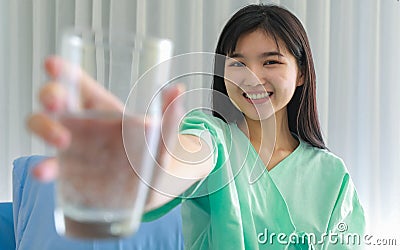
(270,80)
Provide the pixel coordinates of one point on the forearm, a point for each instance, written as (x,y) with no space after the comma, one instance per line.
(190,161)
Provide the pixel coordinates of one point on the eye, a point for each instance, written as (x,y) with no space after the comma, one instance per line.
(237,64)
(271,62)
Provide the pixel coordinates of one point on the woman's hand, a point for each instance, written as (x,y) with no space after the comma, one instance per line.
(181,167)
(53,98)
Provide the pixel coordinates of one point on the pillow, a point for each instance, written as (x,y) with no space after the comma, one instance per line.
(7,240)
(33,206)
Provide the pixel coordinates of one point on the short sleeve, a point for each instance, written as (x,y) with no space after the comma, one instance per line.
(211,130)
(347,219)
(207,127)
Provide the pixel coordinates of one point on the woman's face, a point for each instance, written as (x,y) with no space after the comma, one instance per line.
(260,80)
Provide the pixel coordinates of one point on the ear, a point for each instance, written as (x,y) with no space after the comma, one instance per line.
(300,79)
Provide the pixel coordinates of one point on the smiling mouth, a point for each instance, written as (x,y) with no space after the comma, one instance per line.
(257,96)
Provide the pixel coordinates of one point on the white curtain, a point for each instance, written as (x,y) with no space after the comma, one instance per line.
(356,47)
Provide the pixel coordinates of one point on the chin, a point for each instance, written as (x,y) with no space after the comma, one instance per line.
(260,116)
(263,112)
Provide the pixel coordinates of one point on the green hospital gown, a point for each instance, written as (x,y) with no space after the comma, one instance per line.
(307,201)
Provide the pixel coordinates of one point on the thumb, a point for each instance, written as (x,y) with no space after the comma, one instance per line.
(46,170)
(173,113)
(170,96)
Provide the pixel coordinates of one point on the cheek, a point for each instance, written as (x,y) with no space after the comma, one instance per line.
(286,83)
(234,93)
(231,88)
(236,75)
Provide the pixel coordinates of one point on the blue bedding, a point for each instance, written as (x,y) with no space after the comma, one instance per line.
(33,205)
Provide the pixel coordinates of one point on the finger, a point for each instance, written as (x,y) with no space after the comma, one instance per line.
(53,66)
(93,95)
(172,108)
(46,170)
(173,113)
(49,130)
(53,97)
(171,94)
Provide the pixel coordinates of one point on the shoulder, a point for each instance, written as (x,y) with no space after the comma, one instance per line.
(324,161)
(328,172)
(201,116)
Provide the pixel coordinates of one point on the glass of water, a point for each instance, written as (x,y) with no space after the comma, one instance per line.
(100,192)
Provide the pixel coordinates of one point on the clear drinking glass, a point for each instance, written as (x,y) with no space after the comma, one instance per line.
(99,192)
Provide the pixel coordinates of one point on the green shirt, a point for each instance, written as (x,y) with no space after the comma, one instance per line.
(307,201)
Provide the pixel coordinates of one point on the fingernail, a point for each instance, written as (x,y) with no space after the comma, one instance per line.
(51,102)
(181,88)
(62,140)
(43,173)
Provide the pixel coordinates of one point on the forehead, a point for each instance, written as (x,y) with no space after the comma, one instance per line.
(258,42)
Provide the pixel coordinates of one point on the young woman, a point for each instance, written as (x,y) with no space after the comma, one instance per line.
(271,182)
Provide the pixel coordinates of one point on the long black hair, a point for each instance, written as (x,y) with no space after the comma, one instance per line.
(282,25)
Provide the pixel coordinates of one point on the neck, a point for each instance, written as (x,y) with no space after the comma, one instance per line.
(271,135)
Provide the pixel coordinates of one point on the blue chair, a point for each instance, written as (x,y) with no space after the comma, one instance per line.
(28,222)
(7,239)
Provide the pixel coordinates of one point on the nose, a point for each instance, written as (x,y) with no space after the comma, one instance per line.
(255,75)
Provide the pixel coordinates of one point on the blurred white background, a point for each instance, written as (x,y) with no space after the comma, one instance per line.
(356,47)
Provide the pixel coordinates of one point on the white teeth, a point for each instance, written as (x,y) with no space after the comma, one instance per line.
(258,96)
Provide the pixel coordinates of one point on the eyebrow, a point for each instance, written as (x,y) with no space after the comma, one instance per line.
(265,54)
